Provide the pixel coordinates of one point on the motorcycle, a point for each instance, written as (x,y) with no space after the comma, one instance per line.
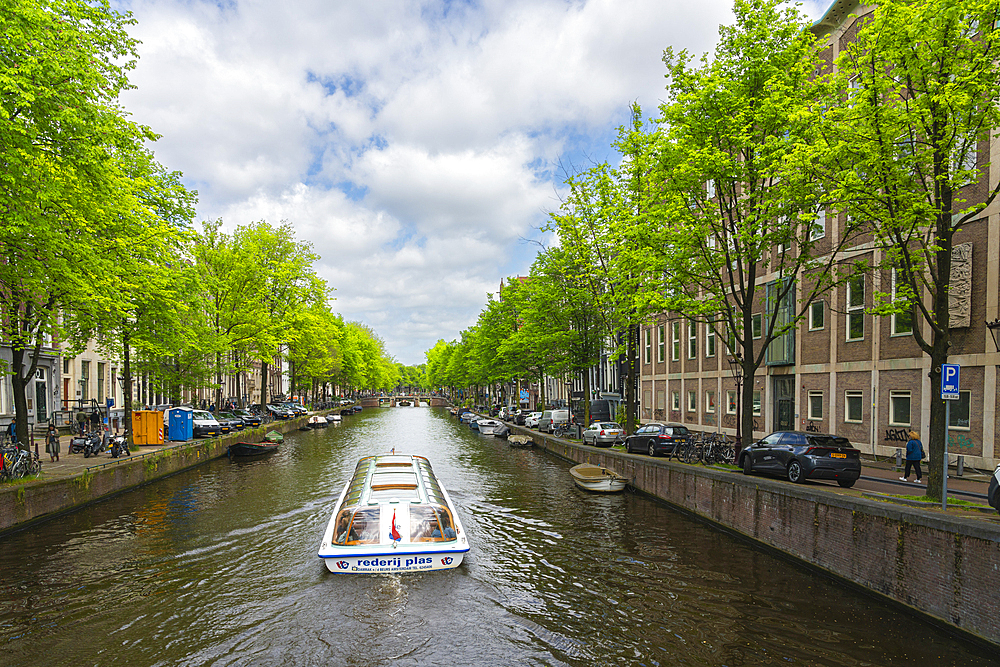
(119,445)
(993,495)
(82,443)
(97,443)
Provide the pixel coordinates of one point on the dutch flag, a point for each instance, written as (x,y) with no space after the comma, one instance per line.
(394,534)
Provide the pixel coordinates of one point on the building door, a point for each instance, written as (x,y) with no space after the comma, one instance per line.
(41,389)
(784,402)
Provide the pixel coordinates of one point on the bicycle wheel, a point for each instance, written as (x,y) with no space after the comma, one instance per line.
(689,452)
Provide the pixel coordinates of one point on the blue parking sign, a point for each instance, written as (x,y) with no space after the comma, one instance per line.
(949,381)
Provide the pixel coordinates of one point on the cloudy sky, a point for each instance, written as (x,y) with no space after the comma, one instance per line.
(417,145)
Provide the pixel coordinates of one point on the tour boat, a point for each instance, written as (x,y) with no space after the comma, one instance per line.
(393,516)
(590,477)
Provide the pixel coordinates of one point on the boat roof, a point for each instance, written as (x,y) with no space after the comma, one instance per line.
(403,478)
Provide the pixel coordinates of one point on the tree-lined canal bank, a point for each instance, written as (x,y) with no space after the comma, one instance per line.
(217,565)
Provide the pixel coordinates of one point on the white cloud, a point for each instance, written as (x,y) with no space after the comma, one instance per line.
(413,144)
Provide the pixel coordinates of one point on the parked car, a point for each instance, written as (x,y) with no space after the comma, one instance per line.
(294,408)
(600,411)
(799,455)
(520,417)
(249,419)
(552,418)
(278,412)
(531,421)
(230,422)
(205,424)
(602,434)
(656,438)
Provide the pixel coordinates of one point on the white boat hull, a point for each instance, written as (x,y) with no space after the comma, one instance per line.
(598,479)
(601,485)
(394,562)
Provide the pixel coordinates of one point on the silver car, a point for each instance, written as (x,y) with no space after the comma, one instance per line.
(602,434)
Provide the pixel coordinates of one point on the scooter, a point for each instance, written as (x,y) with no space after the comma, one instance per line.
(82,443)
(119,445)
(98,443)
(993,494)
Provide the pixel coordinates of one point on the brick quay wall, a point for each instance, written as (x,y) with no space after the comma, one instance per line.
(25,504)
(944,568)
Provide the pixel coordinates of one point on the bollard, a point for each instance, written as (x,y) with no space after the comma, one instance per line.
(899,457)
(961,465)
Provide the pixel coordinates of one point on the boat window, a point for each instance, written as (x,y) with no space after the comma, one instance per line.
(431,523)
(393,493)
(343,523)
(382,478)
(364,527)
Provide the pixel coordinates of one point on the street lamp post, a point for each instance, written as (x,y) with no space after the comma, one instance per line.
(994,328)
(736,366)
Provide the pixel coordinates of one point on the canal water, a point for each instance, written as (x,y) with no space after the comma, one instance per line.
(218,566)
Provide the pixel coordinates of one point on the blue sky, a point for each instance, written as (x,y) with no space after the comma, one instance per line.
(416,145)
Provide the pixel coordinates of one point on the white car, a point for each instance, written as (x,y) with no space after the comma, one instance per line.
(531,421)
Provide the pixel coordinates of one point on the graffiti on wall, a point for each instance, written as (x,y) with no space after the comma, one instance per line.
(729,421)
(896,435)
(960,440)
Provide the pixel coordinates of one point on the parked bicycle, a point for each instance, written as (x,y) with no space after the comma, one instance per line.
(17,462)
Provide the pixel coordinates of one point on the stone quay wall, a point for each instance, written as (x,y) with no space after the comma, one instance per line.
(945,568)
(24,504)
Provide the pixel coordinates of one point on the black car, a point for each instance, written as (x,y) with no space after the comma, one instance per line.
(230,422)
(799,455)
(279,412)
(993,494)
(656,438)
(250,420)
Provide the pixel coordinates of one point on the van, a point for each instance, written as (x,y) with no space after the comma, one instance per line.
(552,418)
(600,411)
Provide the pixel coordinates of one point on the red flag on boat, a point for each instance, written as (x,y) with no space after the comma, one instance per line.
(394,534)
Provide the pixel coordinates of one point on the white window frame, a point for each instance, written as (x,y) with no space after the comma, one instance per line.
(757,407)
(860,396)
(757,322)
(893,327)
(692,400)
(814,416)
(812,315)
(817,228)
(710,401)
(661,344)
(854,311)
(967,395)
(731,401)
(675,343)
(710,188)
(894,419)
(692,339)
(648,346)
(675,401)
(709,341)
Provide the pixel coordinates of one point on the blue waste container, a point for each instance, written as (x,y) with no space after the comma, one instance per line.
(181,424)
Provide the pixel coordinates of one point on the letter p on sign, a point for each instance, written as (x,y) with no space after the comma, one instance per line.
(949,381)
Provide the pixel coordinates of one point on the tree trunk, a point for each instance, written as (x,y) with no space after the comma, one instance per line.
(19,384)
(263,386)
(630,398)
(127,389)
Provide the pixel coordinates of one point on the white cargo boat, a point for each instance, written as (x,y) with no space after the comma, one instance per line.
(393,516)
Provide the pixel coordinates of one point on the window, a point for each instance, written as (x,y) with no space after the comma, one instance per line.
(852,404)
(65,366)
(692,401)
(853,85)
(756,324)
(661,344)
(710,188)
(100,382)
(710,242)
(709,341)
(85,380)
(730,402)
(648,347)
(781,298)
(756,404)
(815,405)
(817,229)
(901,324)
(692,340)
(675,341)
(856,308)
(675,401)
(709,401)
(817,311)
(899,408)
(958,415)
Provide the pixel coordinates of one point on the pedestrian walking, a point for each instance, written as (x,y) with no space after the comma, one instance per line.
(81,422)
(52,442)
(914,454)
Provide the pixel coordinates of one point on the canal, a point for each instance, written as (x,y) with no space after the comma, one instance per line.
(218,566)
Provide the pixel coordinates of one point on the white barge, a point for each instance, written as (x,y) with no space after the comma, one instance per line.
(393,516)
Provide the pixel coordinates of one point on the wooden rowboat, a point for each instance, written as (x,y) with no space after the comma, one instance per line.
(590,477)
(252,448)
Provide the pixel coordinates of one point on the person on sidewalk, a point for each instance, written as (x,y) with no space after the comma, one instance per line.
(52,442)
(914,454)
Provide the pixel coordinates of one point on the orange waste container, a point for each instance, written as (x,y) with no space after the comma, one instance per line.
(147,427)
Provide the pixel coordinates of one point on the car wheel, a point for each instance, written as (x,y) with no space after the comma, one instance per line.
(747,465)
(795,472)
(652,448)
(846,483)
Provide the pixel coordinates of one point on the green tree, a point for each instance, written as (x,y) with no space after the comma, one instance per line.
(915,102)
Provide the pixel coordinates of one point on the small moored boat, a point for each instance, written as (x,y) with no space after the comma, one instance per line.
(334,418)
(590,477)
(393,516)
(252,448)
(318,421)
(488,426)
(274,436)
